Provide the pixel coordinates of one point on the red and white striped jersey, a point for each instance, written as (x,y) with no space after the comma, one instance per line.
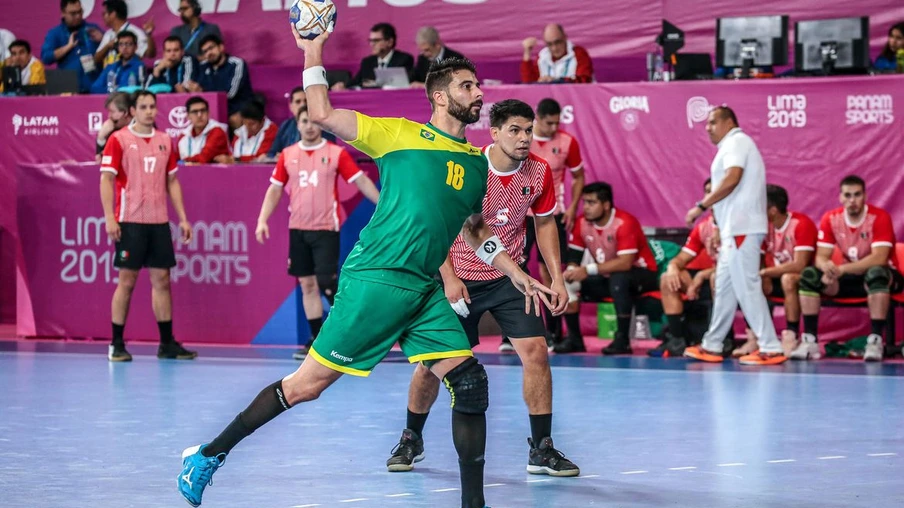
(798,233)
(509,197)
(562,152)
(309,176)
(857,241)
(622,234)
(141,163)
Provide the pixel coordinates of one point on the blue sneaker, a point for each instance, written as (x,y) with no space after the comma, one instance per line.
(197,473)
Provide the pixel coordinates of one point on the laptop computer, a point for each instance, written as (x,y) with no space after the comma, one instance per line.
(392,77)
(12,79)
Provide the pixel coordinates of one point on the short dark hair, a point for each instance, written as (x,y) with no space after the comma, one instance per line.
(20,43)
(214,38)
(64,3)
(548,107)
(137,94)
(303,109)
(195,99)
(502,111)
(387,30)
(121,100)
(777,196)
(118,7)
(708,181)
(174,38)
(602,190)
(253,110)
(295,90)
(853,180)
(726,112)
(440,74)
(125,34)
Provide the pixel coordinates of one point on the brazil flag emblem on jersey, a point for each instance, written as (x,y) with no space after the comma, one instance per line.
(427,134)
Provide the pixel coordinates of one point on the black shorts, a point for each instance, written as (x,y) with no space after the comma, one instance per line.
(501,299)
(531,239)
(777,291)
(854,286)
(595,288)
(313,252)
(706,290)
(144,245)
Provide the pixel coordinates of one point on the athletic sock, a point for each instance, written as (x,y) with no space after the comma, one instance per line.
(117,335)
(811,323)
(623,326)
(315,325)
(540,427)
(469,434)
(794,326)
(573,322)
(553,323)
(269,403)
(416,422)
(676,324)
(877,326)
(166,331)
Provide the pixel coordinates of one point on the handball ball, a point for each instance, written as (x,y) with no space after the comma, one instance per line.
(313,17)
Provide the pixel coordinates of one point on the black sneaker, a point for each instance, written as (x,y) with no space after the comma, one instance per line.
(118,353)
(674,346)
(409,450)
(545,459)
(570,345)
(618,347)
(174,351)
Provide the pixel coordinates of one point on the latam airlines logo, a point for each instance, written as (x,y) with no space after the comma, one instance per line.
(37,125)
(628,109)
(870,110)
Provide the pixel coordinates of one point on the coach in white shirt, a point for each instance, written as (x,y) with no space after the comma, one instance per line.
(738,200)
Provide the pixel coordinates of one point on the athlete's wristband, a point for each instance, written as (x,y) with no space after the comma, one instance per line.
(489,249)
(593,269)
(314,76)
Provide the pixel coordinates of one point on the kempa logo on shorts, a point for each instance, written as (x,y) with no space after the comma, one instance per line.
(341,358)
(629,108)
(489,247)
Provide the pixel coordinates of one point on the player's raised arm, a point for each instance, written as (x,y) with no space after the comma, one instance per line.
(341,122)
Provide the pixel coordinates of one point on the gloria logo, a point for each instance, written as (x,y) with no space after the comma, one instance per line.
(698,109)
(786,111)
(628,109)
(37,125)
(870,110)
(95,121)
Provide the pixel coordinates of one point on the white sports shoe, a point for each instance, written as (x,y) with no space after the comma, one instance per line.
(874,348)
(808,349)
(789,342)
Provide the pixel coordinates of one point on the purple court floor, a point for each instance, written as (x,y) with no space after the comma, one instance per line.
(77,431)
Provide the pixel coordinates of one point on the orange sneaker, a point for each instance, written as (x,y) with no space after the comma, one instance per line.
(698,353)
(764,359)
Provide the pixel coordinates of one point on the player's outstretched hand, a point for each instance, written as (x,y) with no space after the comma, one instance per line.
(185,229)
(534,292)
(262,232)
(308,45)
(113,230)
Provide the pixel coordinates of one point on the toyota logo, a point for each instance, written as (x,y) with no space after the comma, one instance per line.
(178,117)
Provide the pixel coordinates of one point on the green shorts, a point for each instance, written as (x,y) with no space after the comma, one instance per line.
(369,317)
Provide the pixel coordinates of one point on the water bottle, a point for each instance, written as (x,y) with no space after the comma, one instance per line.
(132,80)
(111,82)
(900,55)
(658,68)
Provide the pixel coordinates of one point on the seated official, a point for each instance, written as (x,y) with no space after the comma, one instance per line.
(256,135)
(29,68)
(205,140)
(383,54)
(176,71)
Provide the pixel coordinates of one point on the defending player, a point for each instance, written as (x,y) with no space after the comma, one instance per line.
(138,172)
(308,172)
(434,182)
(518,181)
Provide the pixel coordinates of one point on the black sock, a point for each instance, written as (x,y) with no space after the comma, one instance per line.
(117,334)
(540,427)
(416,422)
(676,324)
(877,326)
(623,327)
(794,326)
(573,322)
(315,325)
(469,434)
(268,404)
(553,323)
(811,323)
(166,331)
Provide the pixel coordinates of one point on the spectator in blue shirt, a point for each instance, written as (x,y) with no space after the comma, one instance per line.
(888,59)
(71,44)
(126,74)
(221,72)
(176,71)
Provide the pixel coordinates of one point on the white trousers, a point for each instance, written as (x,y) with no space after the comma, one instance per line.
(738,282)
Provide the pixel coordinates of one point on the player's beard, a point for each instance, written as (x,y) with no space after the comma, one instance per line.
(463,113)
(512,155)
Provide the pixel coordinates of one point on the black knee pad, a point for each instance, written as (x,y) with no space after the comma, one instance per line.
(877,279)
(328,285)
(811,281)
(468,386)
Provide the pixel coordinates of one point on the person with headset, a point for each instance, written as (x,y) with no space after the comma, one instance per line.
(193,30)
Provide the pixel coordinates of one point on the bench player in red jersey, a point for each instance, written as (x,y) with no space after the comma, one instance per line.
(138,172)
(309,171)
(518,181)
(866,238)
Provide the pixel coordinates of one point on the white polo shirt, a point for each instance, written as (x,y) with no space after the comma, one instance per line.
(743,212)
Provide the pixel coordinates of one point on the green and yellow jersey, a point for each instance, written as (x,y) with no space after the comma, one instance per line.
(430,183)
